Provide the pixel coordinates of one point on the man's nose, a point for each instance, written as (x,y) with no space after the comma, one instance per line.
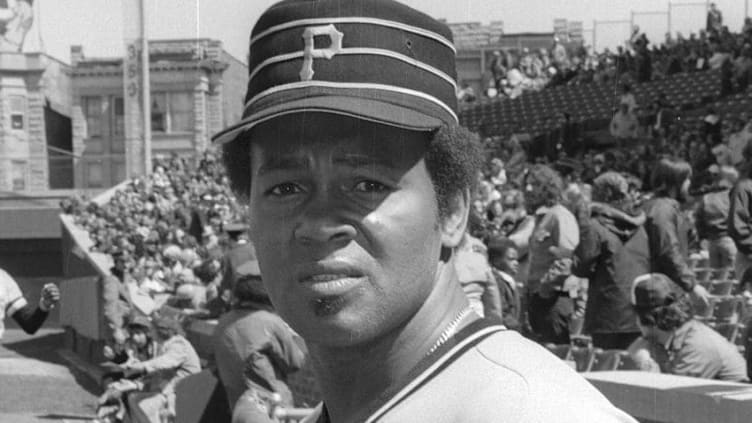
(323,222)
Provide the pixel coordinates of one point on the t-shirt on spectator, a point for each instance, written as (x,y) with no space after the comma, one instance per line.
(624,123)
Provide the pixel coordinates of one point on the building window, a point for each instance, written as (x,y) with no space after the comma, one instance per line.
(118,117)
(172,112)
(92,108)
(96,175)
(17,112)
(18,175)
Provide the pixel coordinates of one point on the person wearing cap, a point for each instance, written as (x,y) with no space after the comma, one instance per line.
(613,251)
(175,359)
(711,220)
(673,341)
(668,228)
(255,351)
(13,304)
(359,179)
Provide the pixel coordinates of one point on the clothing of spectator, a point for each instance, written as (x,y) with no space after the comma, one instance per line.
(175,359)
(624,124)
(255,349)
(613,251)
(504,261)
(740,222)
(668,233)
(554,237)
(696,350)
(673,341)
(711,221)
(476,278)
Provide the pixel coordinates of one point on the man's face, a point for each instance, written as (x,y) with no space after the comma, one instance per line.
(345,224)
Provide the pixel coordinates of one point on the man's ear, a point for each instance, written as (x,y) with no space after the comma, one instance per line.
(453,225)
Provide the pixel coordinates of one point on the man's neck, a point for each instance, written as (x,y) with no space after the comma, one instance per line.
(352,379)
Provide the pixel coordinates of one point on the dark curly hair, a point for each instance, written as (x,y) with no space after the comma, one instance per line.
(453,159)
(543,186)
(677,311)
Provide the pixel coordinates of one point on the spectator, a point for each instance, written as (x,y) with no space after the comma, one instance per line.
(673,341)
(239,251)
(476,278)
(175,359)
(624,126)
(502,254)
(668,228)
(552,244)
(715,19)
(613,251)
(740,214)
(711,220)
(498,70)
(466,94)
(255,351)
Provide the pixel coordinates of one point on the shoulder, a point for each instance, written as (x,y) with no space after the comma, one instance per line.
(511,375)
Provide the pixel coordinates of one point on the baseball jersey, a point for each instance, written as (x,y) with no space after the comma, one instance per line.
(11,298)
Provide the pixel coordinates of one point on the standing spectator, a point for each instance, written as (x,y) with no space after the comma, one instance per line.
(255,351)
(743,68)
(502,254)
(740,214)
(613,251)
(668,228)
(476,278)
(711,220)
(560,56)
(13,304)
(737,141)
(624,126)
(673,341)
(628,98)
(116,297)
(715,19)
(552,245)
(498,70)
(239,252)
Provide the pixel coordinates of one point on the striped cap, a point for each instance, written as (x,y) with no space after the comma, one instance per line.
(377,60)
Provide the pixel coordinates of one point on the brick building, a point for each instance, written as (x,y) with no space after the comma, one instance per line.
(196,90)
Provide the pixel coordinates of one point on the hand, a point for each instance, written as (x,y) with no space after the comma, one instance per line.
(49,297)
(701,294)
(108,352)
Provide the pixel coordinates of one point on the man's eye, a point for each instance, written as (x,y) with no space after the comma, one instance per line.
(370,187)
(282,190)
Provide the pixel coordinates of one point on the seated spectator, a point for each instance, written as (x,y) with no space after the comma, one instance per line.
(466,94)
(673,341)
(502,255)
(175,359)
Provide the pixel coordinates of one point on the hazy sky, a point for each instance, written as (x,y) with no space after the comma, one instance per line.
(98,24)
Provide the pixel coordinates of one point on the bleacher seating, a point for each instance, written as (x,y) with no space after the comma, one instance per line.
(537,112)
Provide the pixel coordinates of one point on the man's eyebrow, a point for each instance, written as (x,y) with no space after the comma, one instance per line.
(282,163)
(359,160)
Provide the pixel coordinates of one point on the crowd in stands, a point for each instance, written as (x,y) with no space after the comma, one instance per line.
(512,72)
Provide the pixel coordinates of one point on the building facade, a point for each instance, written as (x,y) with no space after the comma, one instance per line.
(35,102)
(196,90)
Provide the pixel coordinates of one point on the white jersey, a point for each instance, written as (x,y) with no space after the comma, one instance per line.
(11,298)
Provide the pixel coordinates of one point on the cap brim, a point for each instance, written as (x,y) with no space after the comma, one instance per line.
(360,108)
